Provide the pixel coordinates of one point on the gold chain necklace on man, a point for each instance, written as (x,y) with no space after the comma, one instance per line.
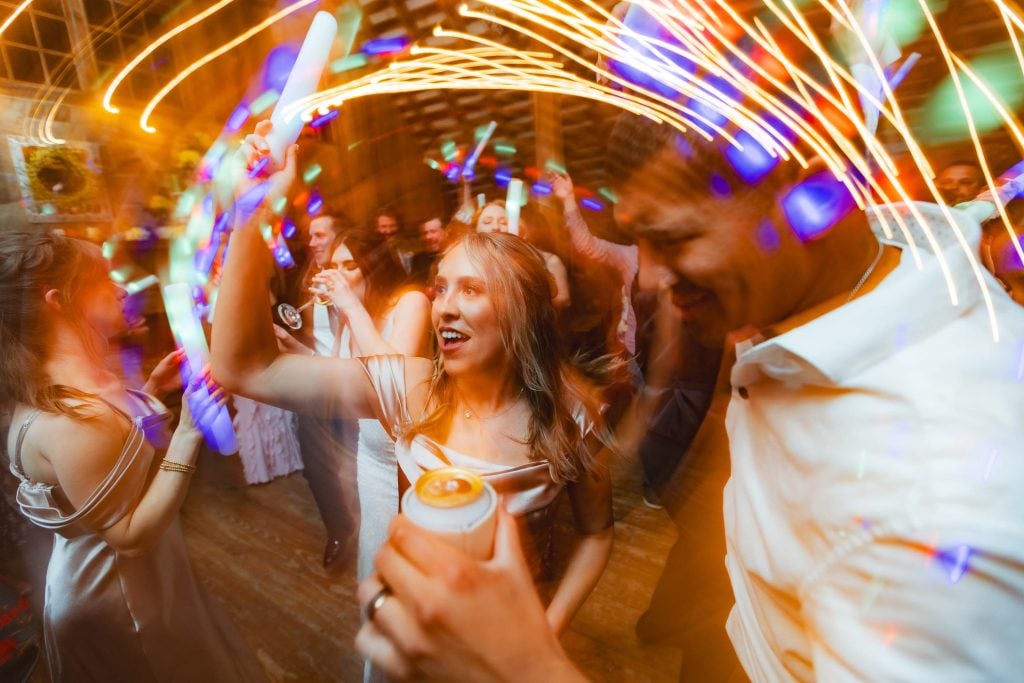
(867,273)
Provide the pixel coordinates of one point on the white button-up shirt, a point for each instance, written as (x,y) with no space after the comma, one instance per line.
(875,514)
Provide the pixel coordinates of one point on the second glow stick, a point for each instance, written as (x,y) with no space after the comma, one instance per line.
(513,203)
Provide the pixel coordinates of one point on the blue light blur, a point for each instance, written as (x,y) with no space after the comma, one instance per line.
(753,162)
(502,176)
(278,66)
(642,23)
(719,186)
(591,204)
(542,189)
(714,112)
(384,46)
(816,205)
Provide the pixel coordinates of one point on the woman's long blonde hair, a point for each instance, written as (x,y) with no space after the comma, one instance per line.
(520,290)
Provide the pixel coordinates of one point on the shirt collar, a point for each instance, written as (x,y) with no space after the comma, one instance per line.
(909,305)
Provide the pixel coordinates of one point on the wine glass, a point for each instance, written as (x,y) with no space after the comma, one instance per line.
(292,317)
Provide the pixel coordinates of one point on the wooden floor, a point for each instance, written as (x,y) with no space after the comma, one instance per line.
(258,548)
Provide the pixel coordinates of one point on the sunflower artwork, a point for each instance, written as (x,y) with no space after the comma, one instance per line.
(60,183)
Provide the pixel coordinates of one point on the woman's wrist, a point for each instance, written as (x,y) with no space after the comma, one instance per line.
(188,437)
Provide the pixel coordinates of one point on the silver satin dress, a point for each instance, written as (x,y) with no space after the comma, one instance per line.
(109,617)
(527,491)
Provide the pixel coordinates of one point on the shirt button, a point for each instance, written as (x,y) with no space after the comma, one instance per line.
(744,394)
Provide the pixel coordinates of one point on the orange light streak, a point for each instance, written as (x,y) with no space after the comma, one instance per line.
(14,15)
(210,56)
(116,82)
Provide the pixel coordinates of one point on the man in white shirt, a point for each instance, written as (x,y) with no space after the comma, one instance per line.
(873,517)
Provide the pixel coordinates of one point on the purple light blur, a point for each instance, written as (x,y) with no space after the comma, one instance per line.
(321,121)
(543,189)
(591,204)
(278,66)
(257,169)
(282,254)
(288,229)
(768,236)
(238,118)
(719,186)
(316,202)
(955,560)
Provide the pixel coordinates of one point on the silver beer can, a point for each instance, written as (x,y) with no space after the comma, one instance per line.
(456,505)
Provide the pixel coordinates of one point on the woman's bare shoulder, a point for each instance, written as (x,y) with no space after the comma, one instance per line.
(72,447)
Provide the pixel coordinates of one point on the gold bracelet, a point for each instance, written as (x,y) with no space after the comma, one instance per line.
(172,466)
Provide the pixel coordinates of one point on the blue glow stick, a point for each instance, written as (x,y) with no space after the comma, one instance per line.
(470,165)
(212,420)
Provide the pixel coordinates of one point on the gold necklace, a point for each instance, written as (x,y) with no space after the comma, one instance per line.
(469,414)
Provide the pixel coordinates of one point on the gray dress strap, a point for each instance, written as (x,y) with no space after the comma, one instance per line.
(16,468)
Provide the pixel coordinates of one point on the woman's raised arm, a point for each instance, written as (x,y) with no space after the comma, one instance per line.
(245,357)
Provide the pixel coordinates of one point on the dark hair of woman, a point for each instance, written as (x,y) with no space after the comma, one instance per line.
(384,275)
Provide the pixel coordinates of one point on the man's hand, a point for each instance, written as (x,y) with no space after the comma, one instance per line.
(451,617)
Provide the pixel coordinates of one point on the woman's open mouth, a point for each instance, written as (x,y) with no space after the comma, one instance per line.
(451,340)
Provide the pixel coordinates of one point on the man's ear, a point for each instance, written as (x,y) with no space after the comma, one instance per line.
(52,299)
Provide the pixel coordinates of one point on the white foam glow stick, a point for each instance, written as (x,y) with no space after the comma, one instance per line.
(513,203)
(302,82)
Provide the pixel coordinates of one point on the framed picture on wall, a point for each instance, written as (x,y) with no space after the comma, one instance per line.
(60,183)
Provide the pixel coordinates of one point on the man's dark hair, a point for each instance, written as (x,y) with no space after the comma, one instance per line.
(340,220)
(963,162)
(636,140)
(390,212)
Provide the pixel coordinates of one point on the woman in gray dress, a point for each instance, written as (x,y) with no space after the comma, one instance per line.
(122,602)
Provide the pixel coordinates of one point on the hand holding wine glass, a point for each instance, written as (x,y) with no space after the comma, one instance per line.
(337,289)
(292,317)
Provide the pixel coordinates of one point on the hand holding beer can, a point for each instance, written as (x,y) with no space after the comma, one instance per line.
(456,505)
